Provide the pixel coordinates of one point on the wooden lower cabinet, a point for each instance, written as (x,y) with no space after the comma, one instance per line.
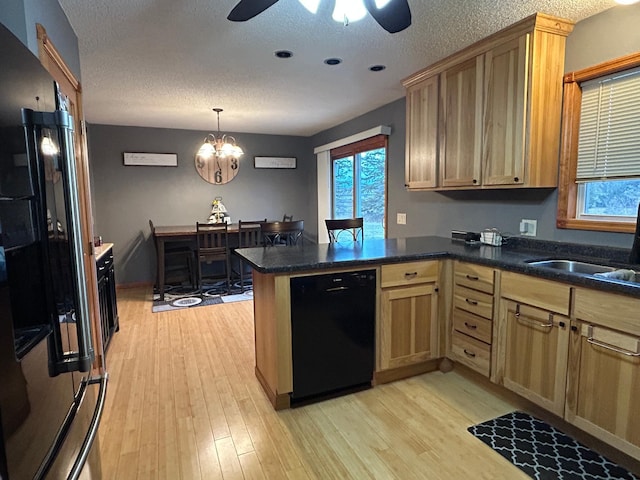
(408,332)
(534,346)
(603,380)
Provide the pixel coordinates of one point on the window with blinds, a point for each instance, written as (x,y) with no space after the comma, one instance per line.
(609,136)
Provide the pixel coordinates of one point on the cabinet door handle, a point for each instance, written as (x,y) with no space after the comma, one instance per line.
(531,321)
(471,302)
(472,277)
(468,353)
(470,326)
(608,346)
(409,275)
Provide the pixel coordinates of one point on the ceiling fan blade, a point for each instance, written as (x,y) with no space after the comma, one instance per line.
(394,17)
(247,9)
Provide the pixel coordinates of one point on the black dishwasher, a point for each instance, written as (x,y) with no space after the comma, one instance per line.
(332,334)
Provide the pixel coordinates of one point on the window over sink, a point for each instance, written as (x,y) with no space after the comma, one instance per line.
(600,158)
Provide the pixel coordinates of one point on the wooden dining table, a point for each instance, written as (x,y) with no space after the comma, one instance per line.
(176,233)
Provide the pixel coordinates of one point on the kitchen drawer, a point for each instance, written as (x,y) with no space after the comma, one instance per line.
(537,292)
(472,325)
(619,312)
(473,301)
(471,352)
(410,273)
(474,276)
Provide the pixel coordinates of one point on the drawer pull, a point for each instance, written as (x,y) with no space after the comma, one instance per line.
(409,275)
(608,346)
(101,269)
(468,353)
(471,302)
(469,326)
(471,277)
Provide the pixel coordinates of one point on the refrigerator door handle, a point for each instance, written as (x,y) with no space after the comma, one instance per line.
(85,354)
(93,428)
(59,440)
(82,359)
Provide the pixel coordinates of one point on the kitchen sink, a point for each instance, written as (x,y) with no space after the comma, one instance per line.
(586,268)
(573,266)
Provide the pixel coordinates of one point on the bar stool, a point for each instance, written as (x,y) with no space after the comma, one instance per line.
(179,260)
(213,247)
(282,233)
(248,236)
(351,228)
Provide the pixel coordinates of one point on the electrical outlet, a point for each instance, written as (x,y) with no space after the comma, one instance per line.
(528,227)
(401,219)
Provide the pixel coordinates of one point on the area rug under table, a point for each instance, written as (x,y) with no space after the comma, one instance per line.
(543,452)
(177,297)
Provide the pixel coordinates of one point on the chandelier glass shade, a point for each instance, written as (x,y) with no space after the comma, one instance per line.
(220,145)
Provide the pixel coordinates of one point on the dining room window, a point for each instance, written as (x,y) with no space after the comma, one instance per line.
(599,185)
(359,183)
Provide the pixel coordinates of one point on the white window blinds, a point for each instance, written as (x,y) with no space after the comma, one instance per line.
(609,142)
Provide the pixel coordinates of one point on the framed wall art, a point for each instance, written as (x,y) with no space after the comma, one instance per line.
(151,159)
(274,162)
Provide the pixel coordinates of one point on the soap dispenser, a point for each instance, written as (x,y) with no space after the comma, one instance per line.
(634,257)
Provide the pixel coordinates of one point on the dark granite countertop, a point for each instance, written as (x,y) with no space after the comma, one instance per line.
(512,256)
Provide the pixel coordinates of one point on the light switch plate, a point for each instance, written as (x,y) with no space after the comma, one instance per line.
(528,227)
(401,219)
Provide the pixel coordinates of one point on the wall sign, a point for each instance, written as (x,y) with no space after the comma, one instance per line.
(274,162)
(151,159)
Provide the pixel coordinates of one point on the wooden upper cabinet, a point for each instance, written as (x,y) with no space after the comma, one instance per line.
(461,137)
(422,135)
(504,113)
(499,121)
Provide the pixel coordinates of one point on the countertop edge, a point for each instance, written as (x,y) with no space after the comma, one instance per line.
(504,258)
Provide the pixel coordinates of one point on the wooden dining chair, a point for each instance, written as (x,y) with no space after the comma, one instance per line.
(248,236)
(349,228)
(179,261)
(213,247)
(282,233)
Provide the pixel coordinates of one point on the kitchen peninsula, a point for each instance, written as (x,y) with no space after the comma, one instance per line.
(415,307)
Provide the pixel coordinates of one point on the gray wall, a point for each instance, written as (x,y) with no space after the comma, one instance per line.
(126,197)
(21,16)
(608,35)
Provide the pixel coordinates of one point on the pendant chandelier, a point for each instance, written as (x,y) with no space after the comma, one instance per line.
(220,146)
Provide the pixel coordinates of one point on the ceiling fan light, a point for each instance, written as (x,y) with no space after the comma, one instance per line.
(380,4)
(349,11)
(311,5)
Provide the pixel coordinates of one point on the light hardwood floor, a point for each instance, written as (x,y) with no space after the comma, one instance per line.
(183,403)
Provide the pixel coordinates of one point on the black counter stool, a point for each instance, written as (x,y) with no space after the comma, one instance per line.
(349,228)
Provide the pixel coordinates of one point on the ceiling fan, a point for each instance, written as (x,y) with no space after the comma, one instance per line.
(394,15)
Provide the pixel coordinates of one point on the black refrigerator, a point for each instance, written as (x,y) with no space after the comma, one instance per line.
(50,402)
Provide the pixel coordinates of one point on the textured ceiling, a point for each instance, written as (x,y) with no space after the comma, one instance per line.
(167,63)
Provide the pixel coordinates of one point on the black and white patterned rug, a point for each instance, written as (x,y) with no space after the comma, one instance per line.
(543,452)
(184,296)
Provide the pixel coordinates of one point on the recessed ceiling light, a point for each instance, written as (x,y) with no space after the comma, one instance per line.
(284,54)
(333,61)
(377,68)
(627,2)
